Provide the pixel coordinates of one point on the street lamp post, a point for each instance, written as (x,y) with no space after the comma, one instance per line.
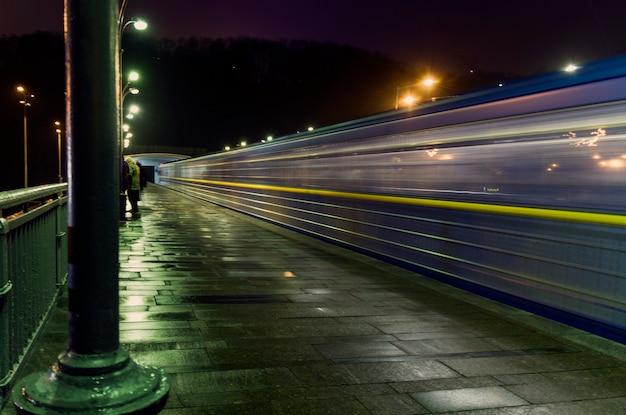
(57,125)
(26,102)
(123,91)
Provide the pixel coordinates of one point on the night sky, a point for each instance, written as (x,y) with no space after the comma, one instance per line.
(520,37)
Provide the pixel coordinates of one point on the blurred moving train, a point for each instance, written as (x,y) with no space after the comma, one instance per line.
(517,193)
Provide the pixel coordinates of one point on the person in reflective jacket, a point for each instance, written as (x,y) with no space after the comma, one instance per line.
(134,185)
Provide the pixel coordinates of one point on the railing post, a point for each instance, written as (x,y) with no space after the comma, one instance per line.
(61,242)
(6,370)
(94,375)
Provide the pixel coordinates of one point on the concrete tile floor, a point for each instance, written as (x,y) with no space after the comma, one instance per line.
(249,318)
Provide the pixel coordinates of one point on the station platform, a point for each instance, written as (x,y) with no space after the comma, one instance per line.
(250,318)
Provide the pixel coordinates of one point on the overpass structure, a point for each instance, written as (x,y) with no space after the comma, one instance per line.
(151,163)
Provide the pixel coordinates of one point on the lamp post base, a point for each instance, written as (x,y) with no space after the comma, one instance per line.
(88,384)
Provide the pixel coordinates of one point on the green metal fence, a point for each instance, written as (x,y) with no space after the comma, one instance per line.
(33,269)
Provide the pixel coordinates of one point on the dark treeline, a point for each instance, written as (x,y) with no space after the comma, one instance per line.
(206,93)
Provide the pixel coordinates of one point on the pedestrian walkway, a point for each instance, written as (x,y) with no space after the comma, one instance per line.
(249,318)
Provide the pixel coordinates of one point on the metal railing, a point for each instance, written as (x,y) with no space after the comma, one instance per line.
(33,269)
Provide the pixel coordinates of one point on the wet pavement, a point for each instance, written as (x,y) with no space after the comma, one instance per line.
(249,318)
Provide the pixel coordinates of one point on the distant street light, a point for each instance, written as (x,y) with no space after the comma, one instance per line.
(132,77)
(128,89)
(25,101)
(428,82)
(57,125)
(410,99)
(139,24)
(127,139)
(127,136)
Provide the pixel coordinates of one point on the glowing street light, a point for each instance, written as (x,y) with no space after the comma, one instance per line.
(139,24)
(428,82)
(127,139)
(133,76)
(409,99)
(132,110)
(128,89)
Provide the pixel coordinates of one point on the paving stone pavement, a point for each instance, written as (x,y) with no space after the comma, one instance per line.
(249,318)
